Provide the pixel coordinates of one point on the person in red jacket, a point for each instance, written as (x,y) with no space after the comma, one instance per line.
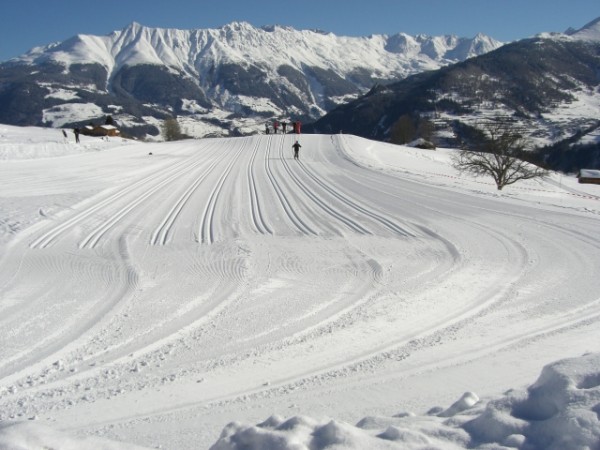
(296,126)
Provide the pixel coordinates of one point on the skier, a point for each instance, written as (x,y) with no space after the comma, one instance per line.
(283,127)
(275,127)
(266,128)
(76,132)
(296,148)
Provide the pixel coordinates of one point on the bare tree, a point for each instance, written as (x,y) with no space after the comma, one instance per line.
(403,130)
(425,129)
(498,154)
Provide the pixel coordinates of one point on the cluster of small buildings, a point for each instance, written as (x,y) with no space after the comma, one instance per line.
(100,130)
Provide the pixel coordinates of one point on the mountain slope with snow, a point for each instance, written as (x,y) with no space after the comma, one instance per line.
(548,86)
(230,79)
(589,32)
(153,293)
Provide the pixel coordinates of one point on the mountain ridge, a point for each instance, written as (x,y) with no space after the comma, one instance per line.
(223,75)
(166,41)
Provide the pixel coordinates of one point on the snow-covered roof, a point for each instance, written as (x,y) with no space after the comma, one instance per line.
(589,173)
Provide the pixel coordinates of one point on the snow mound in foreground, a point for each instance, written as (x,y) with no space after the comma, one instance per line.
(560,410)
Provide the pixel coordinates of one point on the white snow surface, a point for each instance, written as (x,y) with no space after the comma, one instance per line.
(217,293)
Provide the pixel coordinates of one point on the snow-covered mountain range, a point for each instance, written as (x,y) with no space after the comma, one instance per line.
(195,52)
(222,78)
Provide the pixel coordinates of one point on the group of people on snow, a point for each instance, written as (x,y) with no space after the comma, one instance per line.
(283,125)
(296,128)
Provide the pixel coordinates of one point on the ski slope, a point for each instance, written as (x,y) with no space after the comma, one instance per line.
(152,293)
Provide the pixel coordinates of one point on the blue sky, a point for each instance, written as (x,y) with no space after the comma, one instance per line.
(28,23)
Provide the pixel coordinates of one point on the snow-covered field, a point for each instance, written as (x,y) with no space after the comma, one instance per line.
(367,296)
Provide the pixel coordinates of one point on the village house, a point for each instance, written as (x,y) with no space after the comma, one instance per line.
(589,176)
(100,130)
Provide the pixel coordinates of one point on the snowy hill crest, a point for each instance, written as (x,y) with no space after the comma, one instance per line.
(589,32)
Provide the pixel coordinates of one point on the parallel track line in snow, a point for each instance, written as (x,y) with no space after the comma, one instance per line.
(255,209)
(206,233)
(350,223)
(161,233)
(354,205)
(94,237)
(283,200)
(50,236)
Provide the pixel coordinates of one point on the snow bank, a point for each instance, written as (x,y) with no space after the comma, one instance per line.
(561,410)
(19,143)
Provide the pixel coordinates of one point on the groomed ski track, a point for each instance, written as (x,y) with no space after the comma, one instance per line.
(220,280)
